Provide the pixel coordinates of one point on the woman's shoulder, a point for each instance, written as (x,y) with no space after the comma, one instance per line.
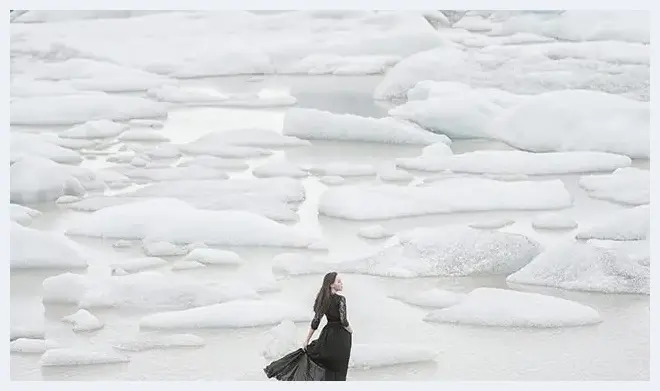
(338,296)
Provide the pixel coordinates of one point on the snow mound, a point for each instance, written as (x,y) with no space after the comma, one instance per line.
(222,149)
(584,267)
(31,346)
(26,87)
(22,214)
(389,173)
(82,321)
(25,144)
(577,120)
(143,135)
(332,180)
(147,342)
(209,256)
(553,221)
(283,339)
(82,356)
(436,150)
(122,244)
(279,169)
(627,224)
(452,195)
(139,264)
(74,109)
(215,162)
(233,314)
(312,124)
(434,298)
(252,137)
(491,224)
(207,97)
(162,249)
(517,162)
(176,173)
(637,250)
(113,179)
(162,290)
(374,232)
(186,265)
(446,251)
(507,308)
(384,355)
(95,129)
(326,64)
(26,320)
(53,252)
(625,185)
(163,152)
(67,199)
(343,169)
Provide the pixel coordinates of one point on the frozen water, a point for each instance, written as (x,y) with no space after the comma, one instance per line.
(341,169)
(279,169)
(210,256)
(506,308)
(554,221)
(162,249)
(215,162)
(31,345)
(436,298)
(374,232)
(187,265)
(94,129)
(82,356)
(627,224)
(53,252)
(627,185)
(148,342)
(22,145)
(83,321)
(22,214)
(143,135)
(194,97)
(139,264)
(491,224)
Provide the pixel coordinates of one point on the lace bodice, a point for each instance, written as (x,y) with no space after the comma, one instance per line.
(336,312)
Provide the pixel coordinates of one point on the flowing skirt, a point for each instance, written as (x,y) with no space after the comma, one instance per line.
(326,359)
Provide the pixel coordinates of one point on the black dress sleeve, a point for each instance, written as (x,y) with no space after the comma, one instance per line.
(342,311)
(316,321)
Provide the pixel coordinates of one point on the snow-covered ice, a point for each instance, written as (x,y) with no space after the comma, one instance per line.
(215,162)
(53,252)
(312,124)
(279,169)
(332,180)
(26,320)
(448,196)
(518,162)
(94,129)
(627,224)
(282,339)
(176,173)
(135,265)
(83,321)
(31,345)
(210,256)
(75,109)
(143,135)
(432,298)
(218,147)
(149,123)
(22,214)
(585,267)
(67,199)
(374,232)
(187,265)
(491,224)
(507,308)
(92,355)
(553,221)
(143,342)
(233,314)
(384,355)
(162,249)
(167,151)
(323,64)
(35,179)
(294,264)
(446,251)
(627,185)
(252,137)
(343,169)
(206,97)
(149,289)
(122,243)
(637,250)
(26,144)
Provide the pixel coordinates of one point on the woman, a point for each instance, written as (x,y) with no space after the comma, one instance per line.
(327,357)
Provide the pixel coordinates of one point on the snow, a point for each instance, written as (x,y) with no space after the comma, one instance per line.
(25,144)
(143,135)
(446,251)
(219,147)
(67,199)
(210,256)
(627,224)
(135,265)
(26,87)
(295,264)
(150,123)
(282,339)
(22,214)
(332,180)
(74,109)
(491,224)
(139,162)
(436,150)
(324,64)
(163,152)
(92,355)
(252,137)
(113,179)
(452,195)
(215,162)
(312,124)
(31,346)
(122,244)
(26,320)
(279,169)
(269,197)
(390,173)
(162,249)
(517,162)
(71,143)
(233,314)
(434,298)
(53,252)
(141,343)
(627,185)
(637,250)
(176,173)
(186,265)
(207,97)
(343,169)
(383,355)
(148,290)
(507,308)
(553,221)
(94,129)
(575,120)
(83,321)
(374,232)
(585,267)
(185,224)
(34,179)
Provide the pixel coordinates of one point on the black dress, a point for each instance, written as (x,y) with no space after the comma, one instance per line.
(326,358)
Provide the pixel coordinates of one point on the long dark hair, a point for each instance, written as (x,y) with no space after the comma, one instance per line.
(322,301)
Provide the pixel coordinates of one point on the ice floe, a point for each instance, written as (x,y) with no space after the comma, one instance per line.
(53,252)
(432,298)
(143,342)
(627,185)
(25,144)
(83,321)
(553,221)
(627,224)
(94,129)
(92,355)
(22,214)
(210,256)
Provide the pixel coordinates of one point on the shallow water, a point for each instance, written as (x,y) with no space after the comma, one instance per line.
(616,349)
